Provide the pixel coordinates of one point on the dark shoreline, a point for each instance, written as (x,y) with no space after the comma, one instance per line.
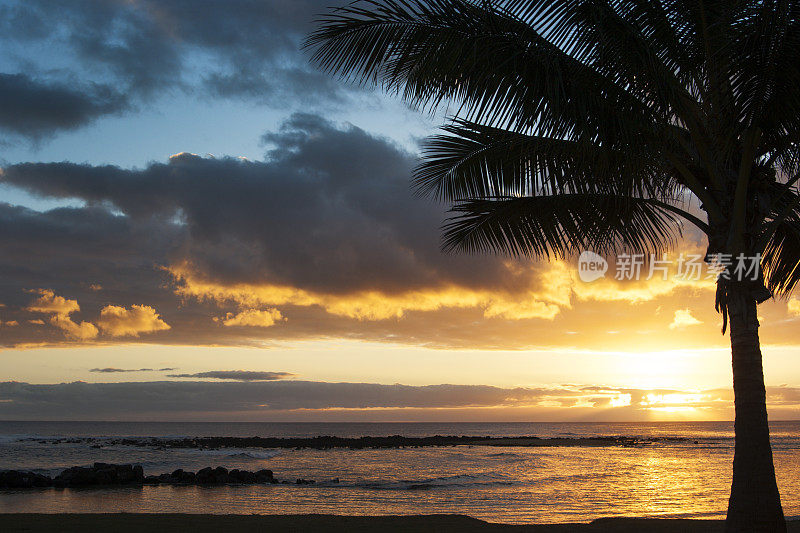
(124,523)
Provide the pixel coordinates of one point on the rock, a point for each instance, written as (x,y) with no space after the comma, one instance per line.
(265,476)
(14,479)
(206,475)
(221,475)
(77,476)
(242,476)
(188,478)
(100,474)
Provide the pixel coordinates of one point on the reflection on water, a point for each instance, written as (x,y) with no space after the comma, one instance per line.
(684,479)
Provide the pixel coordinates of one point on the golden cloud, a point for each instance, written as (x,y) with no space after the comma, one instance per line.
(118,321)
(550,290)
(544,303)
(48,302)
(610,289)
(61,308)
(82,331)
(252,317)
(682,319)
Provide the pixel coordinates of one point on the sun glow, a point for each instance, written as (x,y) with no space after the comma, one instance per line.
(673,402)
(623,400)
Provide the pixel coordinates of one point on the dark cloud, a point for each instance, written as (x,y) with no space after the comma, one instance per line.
(329,210)
(94,400)
(299,86)
(237,375)
(112,370)
(73,251)
(252,400)
(244,49)
(36,108)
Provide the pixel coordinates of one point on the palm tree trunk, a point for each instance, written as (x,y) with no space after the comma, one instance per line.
(755,504)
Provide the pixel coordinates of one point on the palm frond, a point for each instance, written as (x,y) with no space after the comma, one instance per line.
(477,161)
(780,258)
(437,51)
(560,225)
(778,238)
(765,63)
(616,45)
(582,123)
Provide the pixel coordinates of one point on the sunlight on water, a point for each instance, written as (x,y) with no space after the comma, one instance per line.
(688,478)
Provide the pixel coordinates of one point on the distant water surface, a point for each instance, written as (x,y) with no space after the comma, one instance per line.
(687,478)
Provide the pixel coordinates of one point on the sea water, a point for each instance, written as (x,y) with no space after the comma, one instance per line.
(686,478)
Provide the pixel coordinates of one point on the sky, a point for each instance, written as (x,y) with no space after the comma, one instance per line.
(195,224)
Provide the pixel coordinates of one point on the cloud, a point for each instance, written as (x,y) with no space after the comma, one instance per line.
(114,320)
(373,305)
(131,53)
(35,109)
(113,370)
(81,331)
(376,236)
(61,309)
(309,232)
(683,318)
(67,250)
(260,400)
(793,306)
(93,400)
(48,302)
(326,231)
(238,375)
(118,321)
(253,317)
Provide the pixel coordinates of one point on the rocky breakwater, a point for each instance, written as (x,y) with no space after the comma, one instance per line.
(104,474)
(393,441)
(212,476)
(99,474)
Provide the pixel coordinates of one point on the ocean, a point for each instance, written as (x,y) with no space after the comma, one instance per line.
(686,478)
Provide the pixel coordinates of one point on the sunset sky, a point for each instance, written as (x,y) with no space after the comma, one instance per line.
(197,225)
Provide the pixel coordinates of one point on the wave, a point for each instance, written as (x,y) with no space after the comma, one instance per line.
(253,454)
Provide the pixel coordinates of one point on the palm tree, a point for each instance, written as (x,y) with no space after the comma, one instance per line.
(594,124)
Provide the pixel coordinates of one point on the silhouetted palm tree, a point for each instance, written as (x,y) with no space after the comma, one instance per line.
(590,124)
